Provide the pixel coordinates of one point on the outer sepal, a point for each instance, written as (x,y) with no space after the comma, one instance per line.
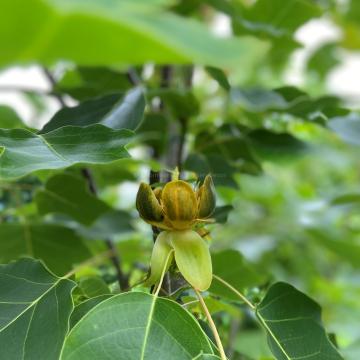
(148,205)
(192,258)
(159,257)
(206,198)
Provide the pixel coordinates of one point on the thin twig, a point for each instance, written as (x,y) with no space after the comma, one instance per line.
(182,138)
(115,258)
(212,326)
(238,293)
(52,81)
(133,76)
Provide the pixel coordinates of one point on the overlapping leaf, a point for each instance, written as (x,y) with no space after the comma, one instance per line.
(68,194)
(35,308)
(116,111)
(59,247)
(347,127)
(231,266)
(128,327)
(22,152)
(86,82)
(85,33)
(293,325)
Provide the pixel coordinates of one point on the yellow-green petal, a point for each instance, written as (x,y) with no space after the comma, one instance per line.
(148,205)
(206,198)
(159,258)
(192,257)
(179,203)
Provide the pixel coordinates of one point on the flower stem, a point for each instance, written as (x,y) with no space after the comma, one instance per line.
(156,293)
(212,326)
(238,293)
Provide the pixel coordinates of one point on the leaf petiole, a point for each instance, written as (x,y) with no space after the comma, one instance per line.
(238,293)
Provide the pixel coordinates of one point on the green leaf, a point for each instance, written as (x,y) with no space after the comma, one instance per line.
(278,17)
(84,33)
(231,266)
(293,323)
(153,130)
(108,225)
(84,307)
(115,172)
(323,60)
(346,199)
(9,119)
(253,344)
(287,99)
(92,286)
(214,306)
(221,213)
(35,308)
(270,145)
(258,100)
(182,103)
(22,152)
(345,249)
(59,247)
(219,75)
(221,170)
(88,82)
(115,111)
(68,194)
(128,327)
(347,127)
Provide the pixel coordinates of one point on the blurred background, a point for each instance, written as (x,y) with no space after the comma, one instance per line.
(295,201)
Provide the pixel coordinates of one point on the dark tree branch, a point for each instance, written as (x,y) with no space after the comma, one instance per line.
(182,138)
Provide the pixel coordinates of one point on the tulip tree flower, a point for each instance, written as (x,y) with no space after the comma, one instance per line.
(176,209)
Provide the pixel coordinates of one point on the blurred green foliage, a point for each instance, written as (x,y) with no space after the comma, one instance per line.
(285,160)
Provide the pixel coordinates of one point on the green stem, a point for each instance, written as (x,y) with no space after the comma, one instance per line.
(212,326)
(238,293)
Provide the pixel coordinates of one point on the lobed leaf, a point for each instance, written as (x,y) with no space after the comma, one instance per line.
(23,152)
(85,33)
(35,308)
(59,247)
(293,324)
(128,327)
(116,111)
(68,194)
